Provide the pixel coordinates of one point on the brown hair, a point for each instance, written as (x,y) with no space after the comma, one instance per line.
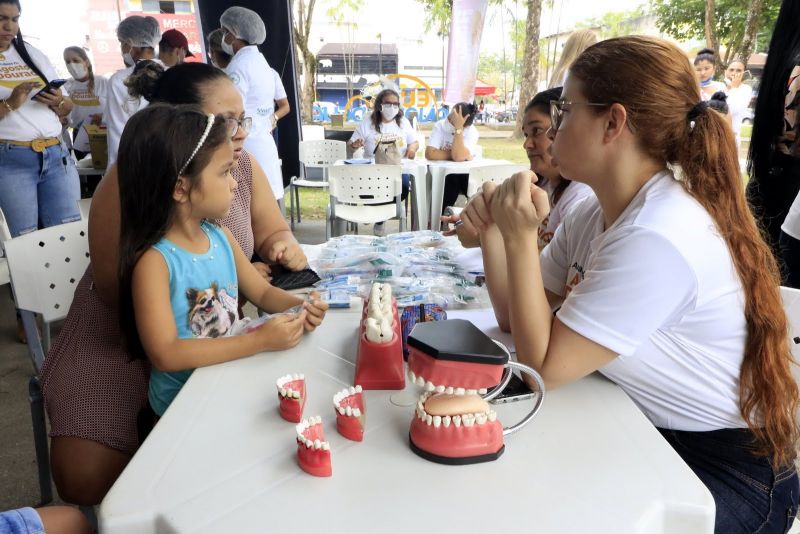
(655,83)
(376,117)
(81,53)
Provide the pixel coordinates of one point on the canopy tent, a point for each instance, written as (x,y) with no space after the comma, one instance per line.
(483,88)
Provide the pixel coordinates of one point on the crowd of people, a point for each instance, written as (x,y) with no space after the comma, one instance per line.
(630,247)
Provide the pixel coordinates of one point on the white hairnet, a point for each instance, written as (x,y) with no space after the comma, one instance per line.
(244,24)
(139,31)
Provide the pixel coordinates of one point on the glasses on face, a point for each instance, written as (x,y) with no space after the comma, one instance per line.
(557,108)
(234,124)
(391,105)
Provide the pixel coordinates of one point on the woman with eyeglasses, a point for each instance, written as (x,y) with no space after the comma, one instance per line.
(662,282)
(95,393)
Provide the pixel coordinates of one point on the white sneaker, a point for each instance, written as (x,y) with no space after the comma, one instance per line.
(378,229)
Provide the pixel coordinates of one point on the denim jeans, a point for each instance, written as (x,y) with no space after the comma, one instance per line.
(38,189)
(749,495)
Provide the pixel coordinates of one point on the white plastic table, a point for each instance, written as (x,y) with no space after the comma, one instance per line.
(222,460)
(439,171)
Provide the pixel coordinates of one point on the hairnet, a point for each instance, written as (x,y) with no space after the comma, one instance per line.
(139,31)
(244,24)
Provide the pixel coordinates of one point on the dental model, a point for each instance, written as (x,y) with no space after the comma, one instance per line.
(455,363)
(379,364)
(291,396)
(313,452)
(350,413)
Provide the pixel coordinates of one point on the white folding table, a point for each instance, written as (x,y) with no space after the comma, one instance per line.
(222,460)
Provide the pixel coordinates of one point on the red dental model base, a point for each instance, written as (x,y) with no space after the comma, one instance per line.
(350,409)
(291,397)
(313,452)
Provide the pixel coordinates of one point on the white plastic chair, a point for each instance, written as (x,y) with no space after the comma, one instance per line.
(322,154)
(45,267)
(491,173)
(364,194)
(313,132)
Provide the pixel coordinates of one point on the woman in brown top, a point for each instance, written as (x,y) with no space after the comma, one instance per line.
(94,392)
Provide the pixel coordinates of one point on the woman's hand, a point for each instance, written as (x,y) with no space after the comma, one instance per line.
(96,119)
(518,207)
(315,309)
(20,94)
(355,144)
(467,238)
(264,270)
(282,331)
(476,216)
(411,154)
(457,119)
(289,254)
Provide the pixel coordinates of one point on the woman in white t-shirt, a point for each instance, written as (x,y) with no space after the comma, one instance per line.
(38,180)
(88,93)
(739,96)
(663,285)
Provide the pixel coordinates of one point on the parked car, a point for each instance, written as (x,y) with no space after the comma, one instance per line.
(506,115)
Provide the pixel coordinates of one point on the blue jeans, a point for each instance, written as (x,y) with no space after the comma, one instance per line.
(38,188)
(21,521)
(749,495)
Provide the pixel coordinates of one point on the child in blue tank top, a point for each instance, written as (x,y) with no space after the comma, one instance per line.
(181,274)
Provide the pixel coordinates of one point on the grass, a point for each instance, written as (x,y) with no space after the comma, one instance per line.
(314,201)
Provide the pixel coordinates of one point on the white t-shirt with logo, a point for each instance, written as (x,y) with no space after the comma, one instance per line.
(32,120)
(404,133)
(87,103)
(570,197)
(120,106)
(443,133)
(659,288)
(255,79)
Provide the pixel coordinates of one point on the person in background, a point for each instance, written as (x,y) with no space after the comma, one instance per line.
(719,103)
(739,96)
(704,64)
(173,48)
(216,55)
(661,283)
(577,42)
(138,37)
(454,138)
(44,520)
(282,107)
(254,78)
(88,92)
(775,144)
(386,121)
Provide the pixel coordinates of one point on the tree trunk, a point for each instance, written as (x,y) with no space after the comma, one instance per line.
(751,30)
(711,32)
(530,60)
(302,30)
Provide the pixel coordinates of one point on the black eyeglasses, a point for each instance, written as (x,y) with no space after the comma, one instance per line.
(234,124)
(557,110)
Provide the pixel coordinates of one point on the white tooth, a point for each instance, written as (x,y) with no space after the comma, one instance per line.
(309,444)
(283,392)
(317,444)
(458,391)
(326,446)
(440,389)
(437,421)
(356,412)
(446,421)
(428,419)
(359,389)
(457,420)
(471,391)
(341,410)
(449,390)
(302,376)
(480,419)
(420,406)
(299,427)
(492,416)
(411,376)
(349,411)
(482,391)
(352,390)
(296,394)
(468,421)
(420,381)
(429,386)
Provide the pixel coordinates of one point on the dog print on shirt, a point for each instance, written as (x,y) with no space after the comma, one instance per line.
(212,311)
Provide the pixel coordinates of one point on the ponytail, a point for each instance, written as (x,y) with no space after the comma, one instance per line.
(768,397)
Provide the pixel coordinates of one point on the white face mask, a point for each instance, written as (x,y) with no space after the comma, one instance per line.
(77,70)
(227,47)
(128,59)
(389,111)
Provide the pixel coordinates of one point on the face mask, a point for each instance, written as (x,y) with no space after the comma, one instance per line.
(227,47)
(77,70)
(389,112)
(128,59)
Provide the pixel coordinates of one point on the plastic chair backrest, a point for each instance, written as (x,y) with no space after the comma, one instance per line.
(45,267)
(313,132)
(491,173)
(365,184)
(322,153)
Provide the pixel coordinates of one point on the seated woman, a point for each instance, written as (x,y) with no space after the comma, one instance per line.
(454,138)
(563,194)
(664,285)
(95,393)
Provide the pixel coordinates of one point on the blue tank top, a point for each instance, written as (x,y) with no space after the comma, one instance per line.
(203,292)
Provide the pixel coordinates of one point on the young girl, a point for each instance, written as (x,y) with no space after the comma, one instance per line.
(663,284)
(180,274)
(704,65)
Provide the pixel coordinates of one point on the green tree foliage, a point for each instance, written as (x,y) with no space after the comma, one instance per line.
(616,23)
(684,19)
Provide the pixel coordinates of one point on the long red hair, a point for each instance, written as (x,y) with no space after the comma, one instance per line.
(655,83)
